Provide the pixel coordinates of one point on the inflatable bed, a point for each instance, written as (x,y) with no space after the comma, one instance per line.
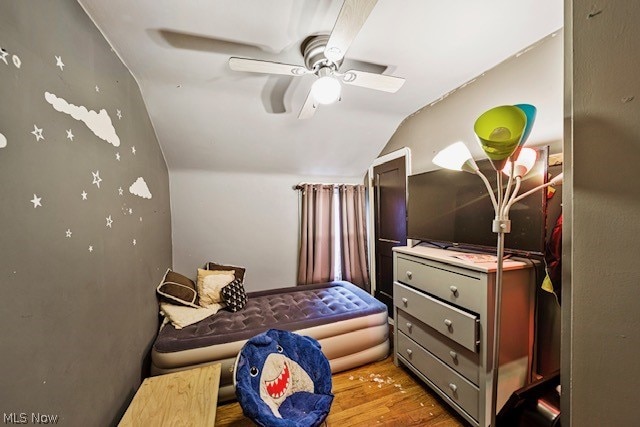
(351,326)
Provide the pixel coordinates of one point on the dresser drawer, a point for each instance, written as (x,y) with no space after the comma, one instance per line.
(451,353)
(461,391)
(450,321)
(443,282)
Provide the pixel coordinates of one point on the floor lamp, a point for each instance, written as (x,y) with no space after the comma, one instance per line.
(501,132)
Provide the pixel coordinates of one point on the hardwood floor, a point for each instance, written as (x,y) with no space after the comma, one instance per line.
(375,394)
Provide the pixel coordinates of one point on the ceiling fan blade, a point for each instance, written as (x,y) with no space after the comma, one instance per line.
(373,81)
(182,40)
(309,108)
(350,20)
(267,67)
(189,41)
(369,67)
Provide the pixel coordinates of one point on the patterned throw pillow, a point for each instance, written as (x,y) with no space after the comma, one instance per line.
(234,295)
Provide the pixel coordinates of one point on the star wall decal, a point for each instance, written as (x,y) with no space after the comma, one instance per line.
(59,63)
(37,132)
(118,156)
(96,178)
(36,201)
(90,248)
(130,211)
(68,232)
(97,88)
(84,195)
(69,134)
(109,221)
(134,242)
(3,56)
(119,114)
(120,191)
(133,149)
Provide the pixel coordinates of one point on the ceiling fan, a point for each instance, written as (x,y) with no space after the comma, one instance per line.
(323,55)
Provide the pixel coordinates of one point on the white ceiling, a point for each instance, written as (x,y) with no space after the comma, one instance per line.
(209,117)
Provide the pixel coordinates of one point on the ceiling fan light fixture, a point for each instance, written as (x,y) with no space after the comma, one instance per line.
(326,90)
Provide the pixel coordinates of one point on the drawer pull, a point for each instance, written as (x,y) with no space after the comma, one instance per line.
(453,387)
(405,301)
(409,275)
(454,290)
(448,322)
(453,355)
(409,326)
(409,351)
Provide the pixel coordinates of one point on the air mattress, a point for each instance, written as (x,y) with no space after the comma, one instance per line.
(351,326)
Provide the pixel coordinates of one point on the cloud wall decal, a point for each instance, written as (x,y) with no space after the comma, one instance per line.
(140,189)
(99,123)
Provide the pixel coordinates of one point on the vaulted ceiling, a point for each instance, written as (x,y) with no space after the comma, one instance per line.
(209,117)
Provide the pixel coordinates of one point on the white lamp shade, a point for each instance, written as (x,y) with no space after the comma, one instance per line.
(523,164)
(326,90)
(456,157)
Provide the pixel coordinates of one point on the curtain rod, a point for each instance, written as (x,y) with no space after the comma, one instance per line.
(299,186)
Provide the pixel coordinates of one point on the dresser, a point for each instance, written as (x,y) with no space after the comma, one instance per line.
(444,312)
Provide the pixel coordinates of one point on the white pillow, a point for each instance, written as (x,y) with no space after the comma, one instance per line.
(181,316)
(209,291)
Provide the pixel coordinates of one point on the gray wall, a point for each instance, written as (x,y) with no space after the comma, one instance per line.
(76,324)
(601,325)
(239,218)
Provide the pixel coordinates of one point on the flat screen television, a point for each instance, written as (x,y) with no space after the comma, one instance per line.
(451,208)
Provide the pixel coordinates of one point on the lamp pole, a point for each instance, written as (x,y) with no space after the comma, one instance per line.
(501,225)
(496,329)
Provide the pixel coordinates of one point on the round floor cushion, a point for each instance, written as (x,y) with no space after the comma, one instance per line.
(283,379)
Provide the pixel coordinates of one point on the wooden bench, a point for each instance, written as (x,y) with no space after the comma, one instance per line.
(185,398)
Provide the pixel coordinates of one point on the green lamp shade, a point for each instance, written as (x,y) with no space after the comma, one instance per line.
(499,132)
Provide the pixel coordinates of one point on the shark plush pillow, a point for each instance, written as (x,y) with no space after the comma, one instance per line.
(283,380)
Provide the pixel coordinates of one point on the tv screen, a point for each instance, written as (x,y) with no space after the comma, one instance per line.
(451,208)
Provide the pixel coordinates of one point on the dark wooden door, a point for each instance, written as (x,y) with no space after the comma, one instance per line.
(390,210)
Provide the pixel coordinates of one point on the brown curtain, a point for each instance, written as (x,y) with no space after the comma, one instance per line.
(355,266)
(315,264)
